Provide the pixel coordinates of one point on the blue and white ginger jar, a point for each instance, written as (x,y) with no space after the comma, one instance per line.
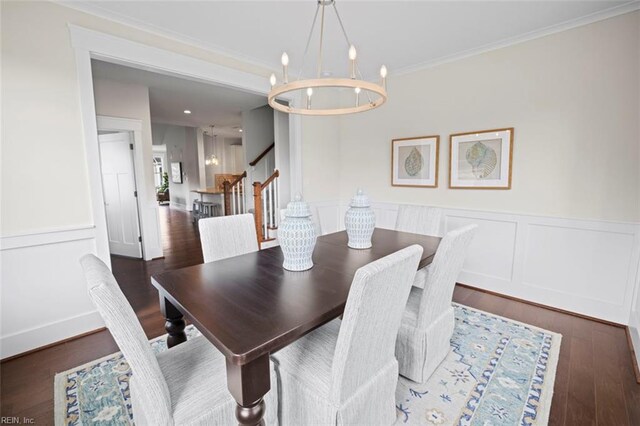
(360,221)
(297,236)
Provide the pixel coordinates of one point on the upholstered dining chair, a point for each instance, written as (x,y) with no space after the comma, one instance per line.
(422,220)
(345,373)
(227,236)
(428,322)
(184,385)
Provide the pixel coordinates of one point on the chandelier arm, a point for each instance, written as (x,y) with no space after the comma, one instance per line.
(362,78)
(346,37)
(321,40)
(306,48)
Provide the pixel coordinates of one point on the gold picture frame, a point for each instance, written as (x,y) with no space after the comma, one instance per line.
(482,159)
(408,165)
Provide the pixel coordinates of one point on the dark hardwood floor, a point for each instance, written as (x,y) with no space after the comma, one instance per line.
(595,382)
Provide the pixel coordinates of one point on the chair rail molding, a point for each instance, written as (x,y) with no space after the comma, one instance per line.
(89,44)
(585,266)
(47,236)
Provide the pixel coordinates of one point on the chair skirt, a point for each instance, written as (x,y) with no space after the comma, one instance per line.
(373,404)
(420,351)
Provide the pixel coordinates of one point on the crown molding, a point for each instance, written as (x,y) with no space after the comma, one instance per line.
(93,9)
(543,32)
(96,10)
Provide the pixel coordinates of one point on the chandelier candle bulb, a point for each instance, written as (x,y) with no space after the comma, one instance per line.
(357,90)
(309,93)
(383,74)
(285,67)
(272,80)
(352,58)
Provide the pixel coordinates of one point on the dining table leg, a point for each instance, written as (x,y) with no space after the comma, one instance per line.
(174,324)
(248,383)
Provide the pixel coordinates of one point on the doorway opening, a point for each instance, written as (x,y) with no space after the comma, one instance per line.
(201,149)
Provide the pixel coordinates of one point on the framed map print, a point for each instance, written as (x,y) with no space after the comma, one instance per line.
(481,159)
(414,161)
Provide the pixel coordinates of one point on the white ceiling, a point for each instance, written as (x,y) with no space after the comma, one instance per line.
(401,34)
(170,96)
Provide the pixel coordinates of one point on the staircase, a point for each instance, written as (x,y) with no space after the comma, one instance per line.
(235,196)
(266,206)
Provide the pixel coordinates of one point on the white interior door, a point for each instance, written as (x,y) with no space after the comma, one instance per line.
(120,197)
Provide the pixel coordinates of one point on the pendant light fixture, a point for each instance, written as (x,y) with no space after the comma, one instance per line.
(366,95)
(212,160)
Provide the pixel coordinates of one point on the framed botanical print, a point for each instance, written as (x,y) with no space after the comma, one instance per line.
(414,161)
(481,159)
(176,172)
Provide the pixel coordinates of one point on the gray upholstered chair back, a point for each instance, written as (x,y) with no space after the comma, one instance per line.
(128,334)
(227,236)
(371,320)
(443,273)
(419,219)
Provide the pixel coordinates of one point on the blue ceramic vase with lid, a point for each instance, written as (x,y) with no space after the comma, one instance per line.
(297,236)
(360,221)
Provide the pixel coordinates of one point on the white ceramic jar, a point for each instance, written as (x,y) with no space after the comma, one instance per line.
(297,236)
(360,221)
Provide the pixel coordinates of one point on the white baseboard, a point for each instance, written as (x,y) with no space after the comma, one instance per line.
(47,334)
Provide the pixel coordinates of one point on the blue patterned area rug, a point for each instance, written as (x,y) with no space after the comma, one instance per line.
(499,372)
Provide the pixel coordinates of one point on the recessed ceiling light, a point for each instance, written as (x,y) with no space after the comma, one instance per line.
(240,130)
(186,111)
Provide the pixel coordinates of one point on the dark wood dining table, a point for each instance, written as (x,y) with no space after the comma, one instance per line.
(248,306)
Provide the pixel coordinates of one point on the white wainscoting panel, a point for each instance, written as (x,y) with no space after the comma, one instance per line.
(584,266)
(591,263)
(492,251)
(44,297)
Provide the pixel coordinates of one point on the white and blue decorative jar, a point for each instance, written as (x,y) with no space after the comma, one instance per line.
(360,221)
(297,236)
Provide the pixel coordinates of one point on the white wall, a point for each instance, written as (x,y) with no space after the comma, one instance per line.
(257,135)
(567,234)
(321,159)
(122,100)
(43,291)
(572,98)
(115,99)
(282,156)
(182,146)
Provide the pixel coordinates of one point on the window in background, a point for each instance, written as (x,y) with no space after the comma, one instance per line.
(158,171)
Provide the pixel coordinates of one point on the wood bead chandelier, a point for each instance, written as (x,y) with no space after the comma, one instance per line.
(365,95)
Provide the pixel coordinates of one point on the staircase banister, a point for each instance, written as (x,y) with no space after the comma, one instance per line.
(238,179)
(271,179)
(259,157)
